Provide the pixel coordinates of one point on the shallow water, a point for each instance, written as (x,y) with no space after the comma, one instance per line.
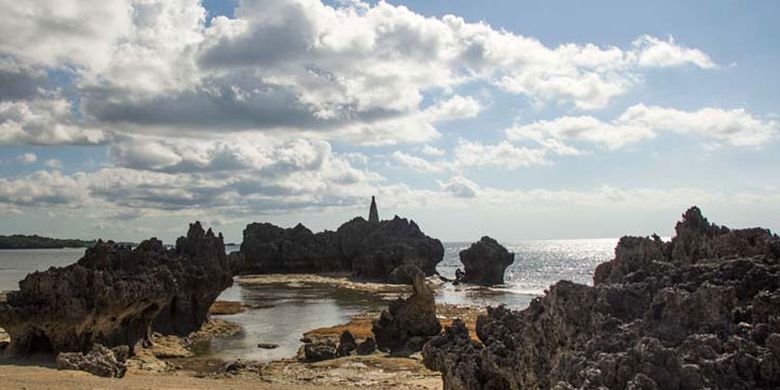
(296,309)
(15,264)
(299,308)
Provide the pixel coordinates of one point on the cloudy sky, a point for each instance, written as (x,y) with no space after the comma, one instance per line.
(125,119)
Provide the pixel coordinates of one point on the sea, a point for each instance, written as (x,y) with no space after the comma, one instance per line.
(280,314)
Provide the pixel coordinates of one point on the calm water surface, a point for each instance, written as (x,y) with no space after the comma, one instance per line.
(299,308)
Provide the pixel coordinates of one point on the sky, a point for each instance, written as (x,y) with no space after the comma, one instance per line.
(126,119)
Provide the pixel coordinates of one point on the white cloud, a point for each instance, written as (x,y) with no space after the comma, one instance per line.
(432,151)
(53,163)
(457,107)
(418,164)
(43,189)
(460,187)
(44,122)
(503,154)
(352,71)
(734,127)
(28,158)
(654,52)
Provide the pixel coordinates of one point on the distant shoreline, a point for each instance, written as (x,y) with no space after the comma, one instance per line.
(19,241)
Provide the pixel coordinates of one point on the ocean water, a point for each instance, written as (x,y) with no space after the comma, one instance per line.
(295,309)
(15,264)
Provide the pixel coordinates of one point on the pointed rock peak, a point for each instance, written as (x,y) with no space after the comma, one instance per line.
(196,230)
(693,220)
(373,213)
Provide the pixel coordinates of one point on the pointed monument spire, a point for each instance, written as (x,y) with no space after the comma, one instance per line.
(373,213)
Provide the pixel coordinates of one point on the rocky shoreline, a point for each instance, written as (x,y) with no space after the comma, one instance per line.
(701,311)
(173,357)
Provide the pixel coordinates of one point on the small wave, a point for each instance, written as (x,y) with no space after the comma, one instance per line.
(518,290)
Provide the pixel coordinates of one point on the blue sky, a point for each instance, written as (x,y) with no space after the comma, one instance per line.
(522,120)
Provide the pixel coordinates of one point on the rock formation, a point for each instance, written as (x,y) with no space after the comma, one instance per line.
(485,262)
(114,294)
(369,250)
(373,213)
(701,311)
(100,361)
(408,323)
(319,351)
(347,344)
(367,347)
(202,275)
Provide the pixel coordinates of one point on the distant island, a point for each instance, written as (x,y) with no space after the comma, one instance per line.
(19,241)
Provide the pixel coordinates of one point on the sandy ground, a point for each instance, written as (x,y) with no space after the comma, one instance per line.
(35,378)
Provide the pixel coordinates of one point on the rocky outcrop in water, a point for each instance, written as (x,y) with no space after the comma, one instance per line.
(485,262)
(701,311)
(115,295)
(100,361)
(408,323)
(369,250)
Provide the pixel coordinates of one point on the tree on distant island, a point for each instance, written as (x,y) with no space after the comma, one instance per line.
(19,241)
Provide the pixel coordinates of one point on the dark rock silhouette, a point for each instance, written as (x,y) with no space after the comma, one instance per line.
(114,294)
(408,323)
(485,262)
(319,351)
(373,213)
(271,249)
(367,347)
(701,311)
(369,250)
(100,361)
(205,274)
(347,344)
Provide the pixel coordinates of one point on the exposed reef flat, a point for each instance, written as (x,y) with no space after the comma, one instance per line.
(386,291)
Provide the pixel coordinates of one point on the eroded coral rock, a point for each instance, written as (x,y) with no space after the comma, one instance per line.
(369,250)
(701,311)
(408,323)
(100,361)
(485,262)
(347,344)
(114,294)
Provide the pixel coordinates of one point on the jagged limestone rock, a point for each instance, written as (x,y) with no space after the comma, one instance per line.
(100,361)
(701,311)
(408,323)
(114,294)
(370,251)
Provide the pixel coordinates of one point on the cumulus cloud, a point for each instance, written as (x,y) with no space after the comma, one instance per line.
(44,121)
(432,151)
(353,70)
(43,189)
(653,52)
(734,127)
(418,164)
(53,163)
(28,158)
(460,187)
(504,154)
